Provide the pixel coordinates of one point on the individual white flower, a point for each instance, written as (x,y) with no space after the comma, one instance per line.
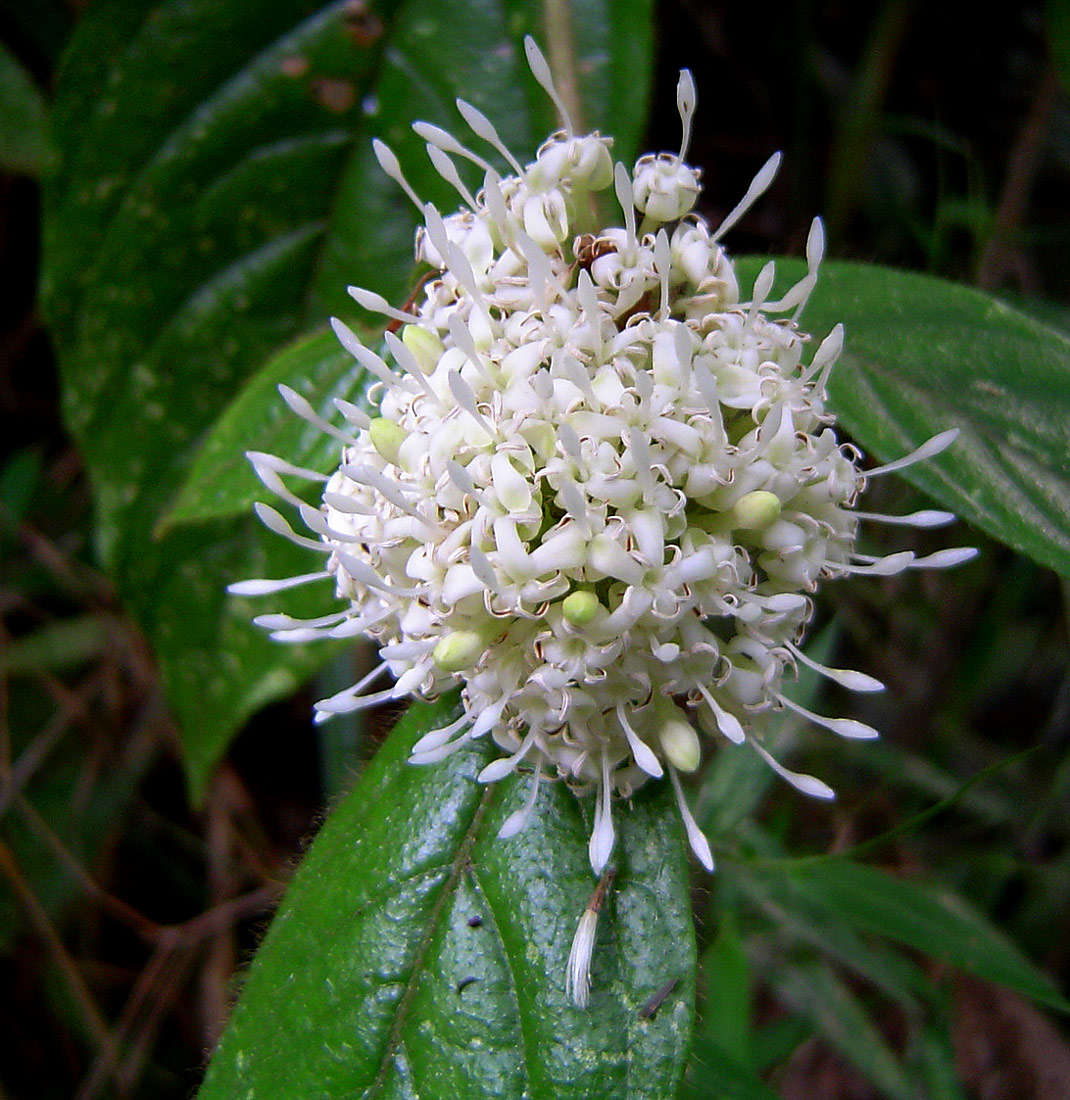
(598,490)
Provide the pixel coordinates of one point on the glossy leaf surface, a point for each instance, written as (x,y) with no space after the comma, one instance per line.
(416,954)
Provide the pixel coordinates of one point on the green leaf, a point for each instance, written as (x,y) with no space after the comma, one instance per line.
(417,954)
(815,992)
(923,355)
(725,1018)
(792,909)
(927,917)
(222,483)
(25,143)
(61,645)
(717,1074)
(216,193)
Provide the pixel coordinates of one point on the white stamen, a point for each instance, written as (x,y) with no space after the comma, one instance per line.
(758,187)
(448,171)
(663,264)
(408,363)
(946,559)
(517,820)
(877,567)
(622,183)
(929,449)
(301,406)
(346,702)
(386,487)
(825,358)
(464,396)
(925,518)
(390,165)
(376,303)
(686,99)
(264,587)
(483,128)
(274,521)
(347,504)
(506,765)
(541,71)
(644,755)
(434,738)
(808,784)
(603,834)
(727,723)
(364,574)
(444,140)
(365,356)
(847,677)
(353,413)
(850,728)
(699,844)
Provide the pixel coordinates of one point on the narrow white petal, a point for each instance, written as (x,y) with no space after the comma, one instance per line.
(517,820)
(847,677)
(483,128)
(541,71)
(929,449)
(945,559)
(695,837)
(727,723)
(808,784)
(759,184)
(845,727)
(268,587)
(641,751)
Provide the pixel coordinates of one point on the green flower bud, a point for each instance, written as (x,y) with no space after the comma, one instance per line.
(680,744)
(580,608)
(424,345)
(756,511)
(387,437)
(458,651)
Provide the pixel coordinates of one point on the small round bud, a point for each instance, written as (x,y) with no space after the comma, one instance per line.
(423,344)
(580,608)
(680,744)
(387,437)
(458,651)
(665,188)
(757,510)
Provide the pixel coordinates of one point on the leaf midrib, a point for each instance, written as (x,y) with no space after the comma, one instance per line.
(449,887)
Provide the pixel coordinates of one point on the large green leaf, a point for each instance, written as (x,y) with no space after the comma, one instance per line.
(215,195)
(923,355)
(927,917)
(416,954)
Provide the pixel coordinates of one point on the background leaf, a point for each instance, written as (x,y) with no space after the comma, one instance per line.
(816,993)
(216,194)
(417,954)
(222,482)
(25,142)
(927,917)
(923,355)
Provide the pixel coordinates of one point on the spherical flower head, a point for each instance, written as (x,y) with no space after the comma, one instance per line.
(598,490)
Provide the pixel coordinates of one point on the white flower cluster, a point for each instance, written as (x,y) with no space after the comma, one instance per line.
(599,489)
